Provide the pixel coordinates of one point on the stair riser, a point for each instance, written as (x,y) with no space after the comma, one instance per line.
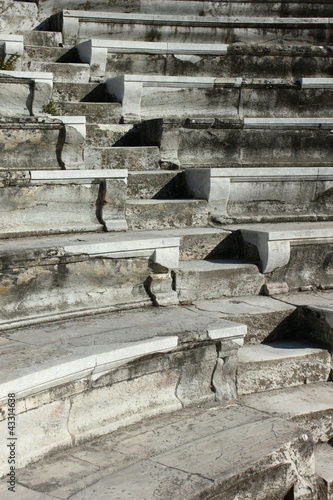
(65,73)
(130,158)
(192,286)
(168,185)
(85,92)
(105,136)
(164,215)
(94,112)
(264,376)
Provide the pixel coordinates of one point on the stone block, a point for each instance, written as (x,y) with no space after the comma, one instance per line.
(277,365)
(215,279)
(105,409)
(150,215)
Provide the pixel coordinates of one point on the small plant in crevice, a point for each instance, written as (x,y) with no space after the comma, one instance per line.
(10,64)
(50,109)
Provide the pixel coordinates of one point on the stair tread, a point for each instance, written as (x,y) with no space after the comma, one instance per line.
(294,402)
(277,351)
(163,453)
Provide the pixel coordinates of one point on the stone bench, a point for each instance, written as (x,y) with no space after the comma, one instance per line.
(217,142)
(77,26)
(145,97)
(38,143)
(62,201)
(260,194)
(274,241)
(66,275)
(95,51)
(24,92)
(85,358)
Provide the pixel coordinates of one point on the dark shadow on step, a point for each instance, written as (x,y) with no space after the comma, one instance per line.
(234,247)
(98,94)
(72,56)
(175,189)
(290,495)
(130,139)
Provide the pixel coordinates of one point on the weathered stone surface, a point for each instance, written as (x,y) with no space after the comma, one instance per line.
(211,279)
(162,184)
(18,16)
(165,214)
(310,406)
(77,26)
(131,158)
(264,316)
(324,457)
(182,437)
(95,112)
(62,72)
(107,135)
(279,365)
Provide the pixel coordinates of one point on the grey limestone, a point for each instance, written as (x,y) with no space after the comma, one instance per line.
(212,279)
(310,406)
(264,316)
(154,214)
(280,364)
(324,456)
(62,72)
(131,158)
(100,112)
(81,25)
(162,457)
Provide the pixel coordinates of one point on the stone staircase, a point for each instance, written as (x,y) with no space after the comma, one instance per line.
(166,247)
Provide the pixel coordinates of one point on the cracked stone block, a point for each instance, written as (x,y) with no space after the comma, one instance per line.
(105,409)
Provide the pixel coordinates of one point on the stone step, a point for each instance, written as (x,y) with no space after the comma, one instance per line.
(213,279)
(84,92)
(78,26)
(162,185)
(295,254)
(131,158)
(108,58)
(279,365)
(267,318)
(42,39)
(52,277)
(149,215)
(146,97)
(309,406)
(132,351)
(62,201)
(49,7)
(95,112)
(107,135)
(49,54)
(62,72)
(180,453)
(324,470)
